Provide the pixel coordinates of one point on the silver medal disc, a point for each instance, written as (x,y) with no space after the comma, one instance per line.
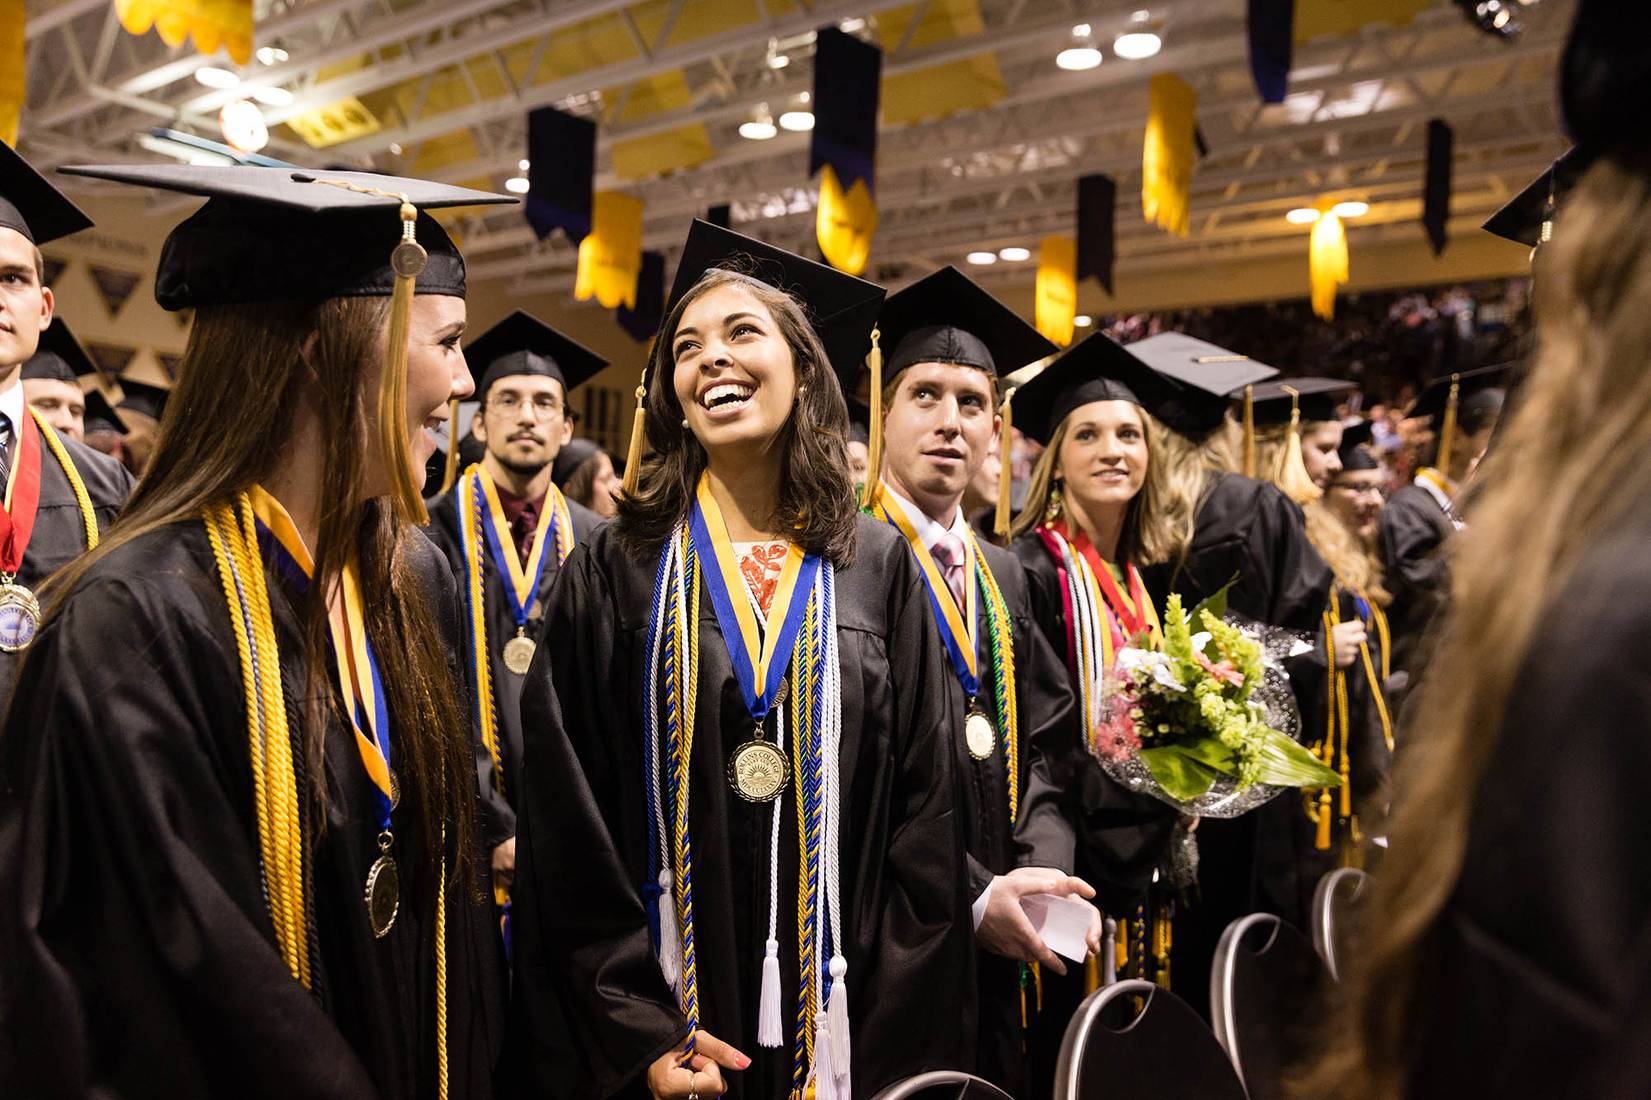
(19,617)
(979,735)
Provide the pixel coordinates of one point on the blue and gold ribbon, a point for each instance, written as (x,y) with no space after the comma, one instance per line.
(958,626)
(521,581)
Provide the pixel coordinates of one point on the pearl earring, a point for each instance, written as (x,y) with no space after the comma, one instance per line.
(685,423)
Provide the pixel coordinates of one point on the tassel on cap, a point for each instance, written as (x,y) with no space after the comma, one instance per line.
(1249,431)
(1322,841)
(408,262)
(770,1029)
(450,468)
(1290,474)
(1000,523)
(1447,429)
(874,429)
(633,454)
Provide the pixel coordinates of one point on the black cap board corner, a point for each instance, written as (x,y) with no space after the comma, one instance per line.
(570,458)
(30,205)
(1355,450)
(143,398)
(59,355)
(1526,217)
(1432,401)
(1203,376)
(523,344)
(1316,398)
(1097,368)
(946,317)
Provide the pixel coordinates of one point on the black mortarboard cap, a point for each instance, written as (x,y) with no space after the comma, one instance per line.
(30,205)
(59,356)
(842,308)
(1315,397)
(859,423)
(946,317)
(1355,449)
(278,234)
(1525,214)
(572,456)
(523,344)
(1604,82)
(141,397)
(1097,368)
(1203,375)
(1473,393)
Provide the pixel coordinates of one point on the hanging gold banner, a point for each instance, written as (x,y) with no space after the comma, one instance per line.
(845,222)
(1327,263)
(213,23)
(13,15)
(1056,302)
(1167,154)
(610,257)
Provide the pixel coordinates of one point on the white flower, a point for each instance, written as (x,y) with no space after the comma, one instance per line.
(1156,664)
(1200,640)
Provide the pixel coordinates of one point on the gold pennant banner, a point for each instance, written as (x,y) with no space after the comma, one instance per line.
(1056,302)
(1327,263)
(610,256)
(13,16)
(1168,153)
(845,222)
(212,23)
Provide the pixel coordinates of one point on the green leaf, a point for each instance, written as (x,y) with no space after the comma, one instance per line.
(1211,753)
(1215,603)
(1284,763)
(1180,775)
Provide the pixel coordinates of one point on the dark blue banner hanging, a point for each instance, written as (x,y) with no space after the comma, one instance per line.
(1272,40)
(643,321)
(561,151)
(1441,142)
(1097,240)
(847,81)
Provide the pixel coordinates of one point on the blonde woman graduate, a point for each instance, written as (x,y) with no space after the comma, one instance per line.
(750,680)
(236,846)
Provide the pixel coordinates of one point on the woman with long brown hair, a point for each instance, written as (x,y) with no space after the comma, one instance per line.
(1503,947)
(236,842)
(750,681)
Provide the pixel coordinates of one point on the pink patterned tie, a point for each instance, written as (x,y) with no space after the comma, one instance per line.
(948,554)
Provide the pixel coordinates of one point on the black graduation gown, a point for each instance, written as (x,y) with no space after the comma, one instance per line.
(1538,967)
(496,816)
(137,957)
(59,528)
(910,953)
(1248,530)
(1412,531)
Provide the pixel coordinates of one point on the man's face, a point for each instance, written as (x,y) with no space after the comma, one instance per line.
(523,422)
(25,305)
(938,429)
(61,403)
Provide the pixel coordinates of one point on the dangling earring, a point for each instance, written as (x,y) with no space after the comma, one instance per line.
(1056,503)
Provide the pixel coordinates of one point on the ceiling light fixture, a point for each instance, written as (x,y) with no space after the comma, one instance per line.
(518,185)
(1078,58)
(760,127)
(1137,45)
(272,97)
(982,259)
(1352,208)
(214,77)
(1083,320)
(797,121)
(243,126)
(271,55)
(1014,254)
(1302,215)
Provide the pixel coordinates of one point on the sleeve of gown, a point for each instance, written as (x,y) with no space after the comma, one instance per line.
(132,930)
(1409,548)
(1299,581)
(1051,739)
(590,1010)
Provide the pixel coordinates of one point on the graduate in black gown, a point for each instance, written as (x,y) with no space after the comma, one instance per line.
(58,493)
(799,848)
(236,850)
(1505,946)
(506,529)
(1421,519)
(51,385)
(949,339)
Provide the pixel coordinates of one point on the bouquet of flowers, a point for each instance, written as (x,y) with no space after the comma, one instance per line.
(1208,723)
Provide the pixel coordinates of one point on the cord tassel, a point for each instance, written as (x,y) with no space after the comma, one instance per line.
(769,1027)
(1447,429)
(1249,431)
(633,453)
(874,429)
(825,1072)
(408,262)
(670,940)
(837,1018)
(1005,448)
(1291,474)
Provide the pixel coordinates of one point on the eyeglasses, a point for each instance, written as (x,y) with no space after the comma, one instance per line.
(1354,489)
(544,405)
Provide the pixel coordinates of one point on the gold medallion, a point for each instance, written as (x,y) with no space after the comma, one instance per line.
(383,893)
(408,259)
(980,735)
(19,617)
(518,654)
(758,771)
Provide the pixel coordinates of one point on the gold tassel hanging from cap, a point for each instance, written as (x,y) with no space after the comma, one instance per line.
(1290,473)
(874,429)
(450,468)
(1249,432)
(407,261)
(1005,452)
(633,453)
(1447,429)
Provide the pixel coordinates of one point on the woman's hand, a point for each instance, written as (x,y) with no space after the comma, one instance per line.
(700,1077)
(1348,637)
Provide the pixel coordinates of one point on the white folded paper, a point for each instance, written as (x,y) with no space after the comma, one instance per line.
(1062,922)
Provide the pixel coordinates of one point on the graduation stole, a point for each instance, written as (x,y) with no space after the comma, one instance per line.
(244,534)
(1100,618)
(482,523)
(959,628)
(22,501)
(1431,478)
(1338,718)
(802,633)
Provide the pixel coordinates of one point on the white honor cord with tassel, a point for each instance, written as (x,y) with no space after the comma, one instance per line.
(837,1010)
(670,940)
(769,1026)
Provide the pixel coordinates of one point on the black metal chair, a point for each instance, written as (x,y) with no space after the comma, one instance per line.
(1267,990)
(1334,900)
(943,1084)
(1114,1052)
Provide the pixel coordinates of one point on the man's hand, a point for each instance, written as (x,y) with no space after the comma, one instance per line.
(504,862)
(1005,929)
(701,1077)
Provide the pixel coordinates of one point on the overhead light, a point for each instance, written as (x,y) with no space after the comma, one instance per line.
(778,61)
(982,259)
(851,26)
(797,120)
(395,149)
(1082,30)
(760,127)
(272,97)
(1078,58)
(243,126)
(1014,254)
(1302,215)
(1137,45)
(271,55)
(214,77)
(517,185)
(1352,208)
(1083,320)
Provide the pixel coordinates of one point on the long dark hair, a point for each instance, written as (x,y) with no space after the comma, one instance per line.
(816,500)
(244,376)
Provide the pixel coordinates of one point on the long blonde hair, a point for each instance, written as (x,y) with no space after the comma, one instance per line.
(1581,435)
(1354,562)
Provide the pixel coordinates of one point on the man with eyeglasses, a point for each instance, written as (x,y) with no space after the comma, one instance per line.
(506,529)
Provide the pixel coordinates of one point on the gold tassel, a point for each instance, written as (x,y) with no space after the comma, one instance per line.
(1322,841)
(1447,430)
(633,454)
(1291,474)
(450,469)
(1249,431)
(408,262)
(874,429)
(1005,448)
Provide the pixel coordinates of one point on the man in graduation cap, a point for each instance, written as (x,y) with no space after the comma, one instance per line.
(949,340)
(506,528)
(58,493)
(51,383)
(1420,519)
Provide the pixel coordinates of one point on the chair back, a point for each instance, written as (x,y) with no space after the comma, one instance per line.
(943,1084)
(1115,1051)
(1267,992)
(1334,899)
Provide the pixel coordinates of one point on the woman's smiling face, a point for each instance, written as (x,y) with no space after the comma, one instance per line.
(734,373)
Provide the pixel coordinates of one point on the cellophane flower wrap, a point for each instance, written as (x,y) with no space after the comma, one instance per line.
(1209,722)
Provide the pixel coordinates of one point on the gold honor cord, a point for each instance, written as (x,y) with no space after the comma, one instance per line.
(88,517)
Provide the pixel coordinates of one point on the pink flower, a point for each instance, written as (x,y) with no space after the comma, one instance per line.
(1115,736)
(1224,671)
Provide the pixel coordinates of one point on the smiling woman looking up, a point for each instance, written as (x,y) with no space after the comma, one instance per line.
(748,679)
